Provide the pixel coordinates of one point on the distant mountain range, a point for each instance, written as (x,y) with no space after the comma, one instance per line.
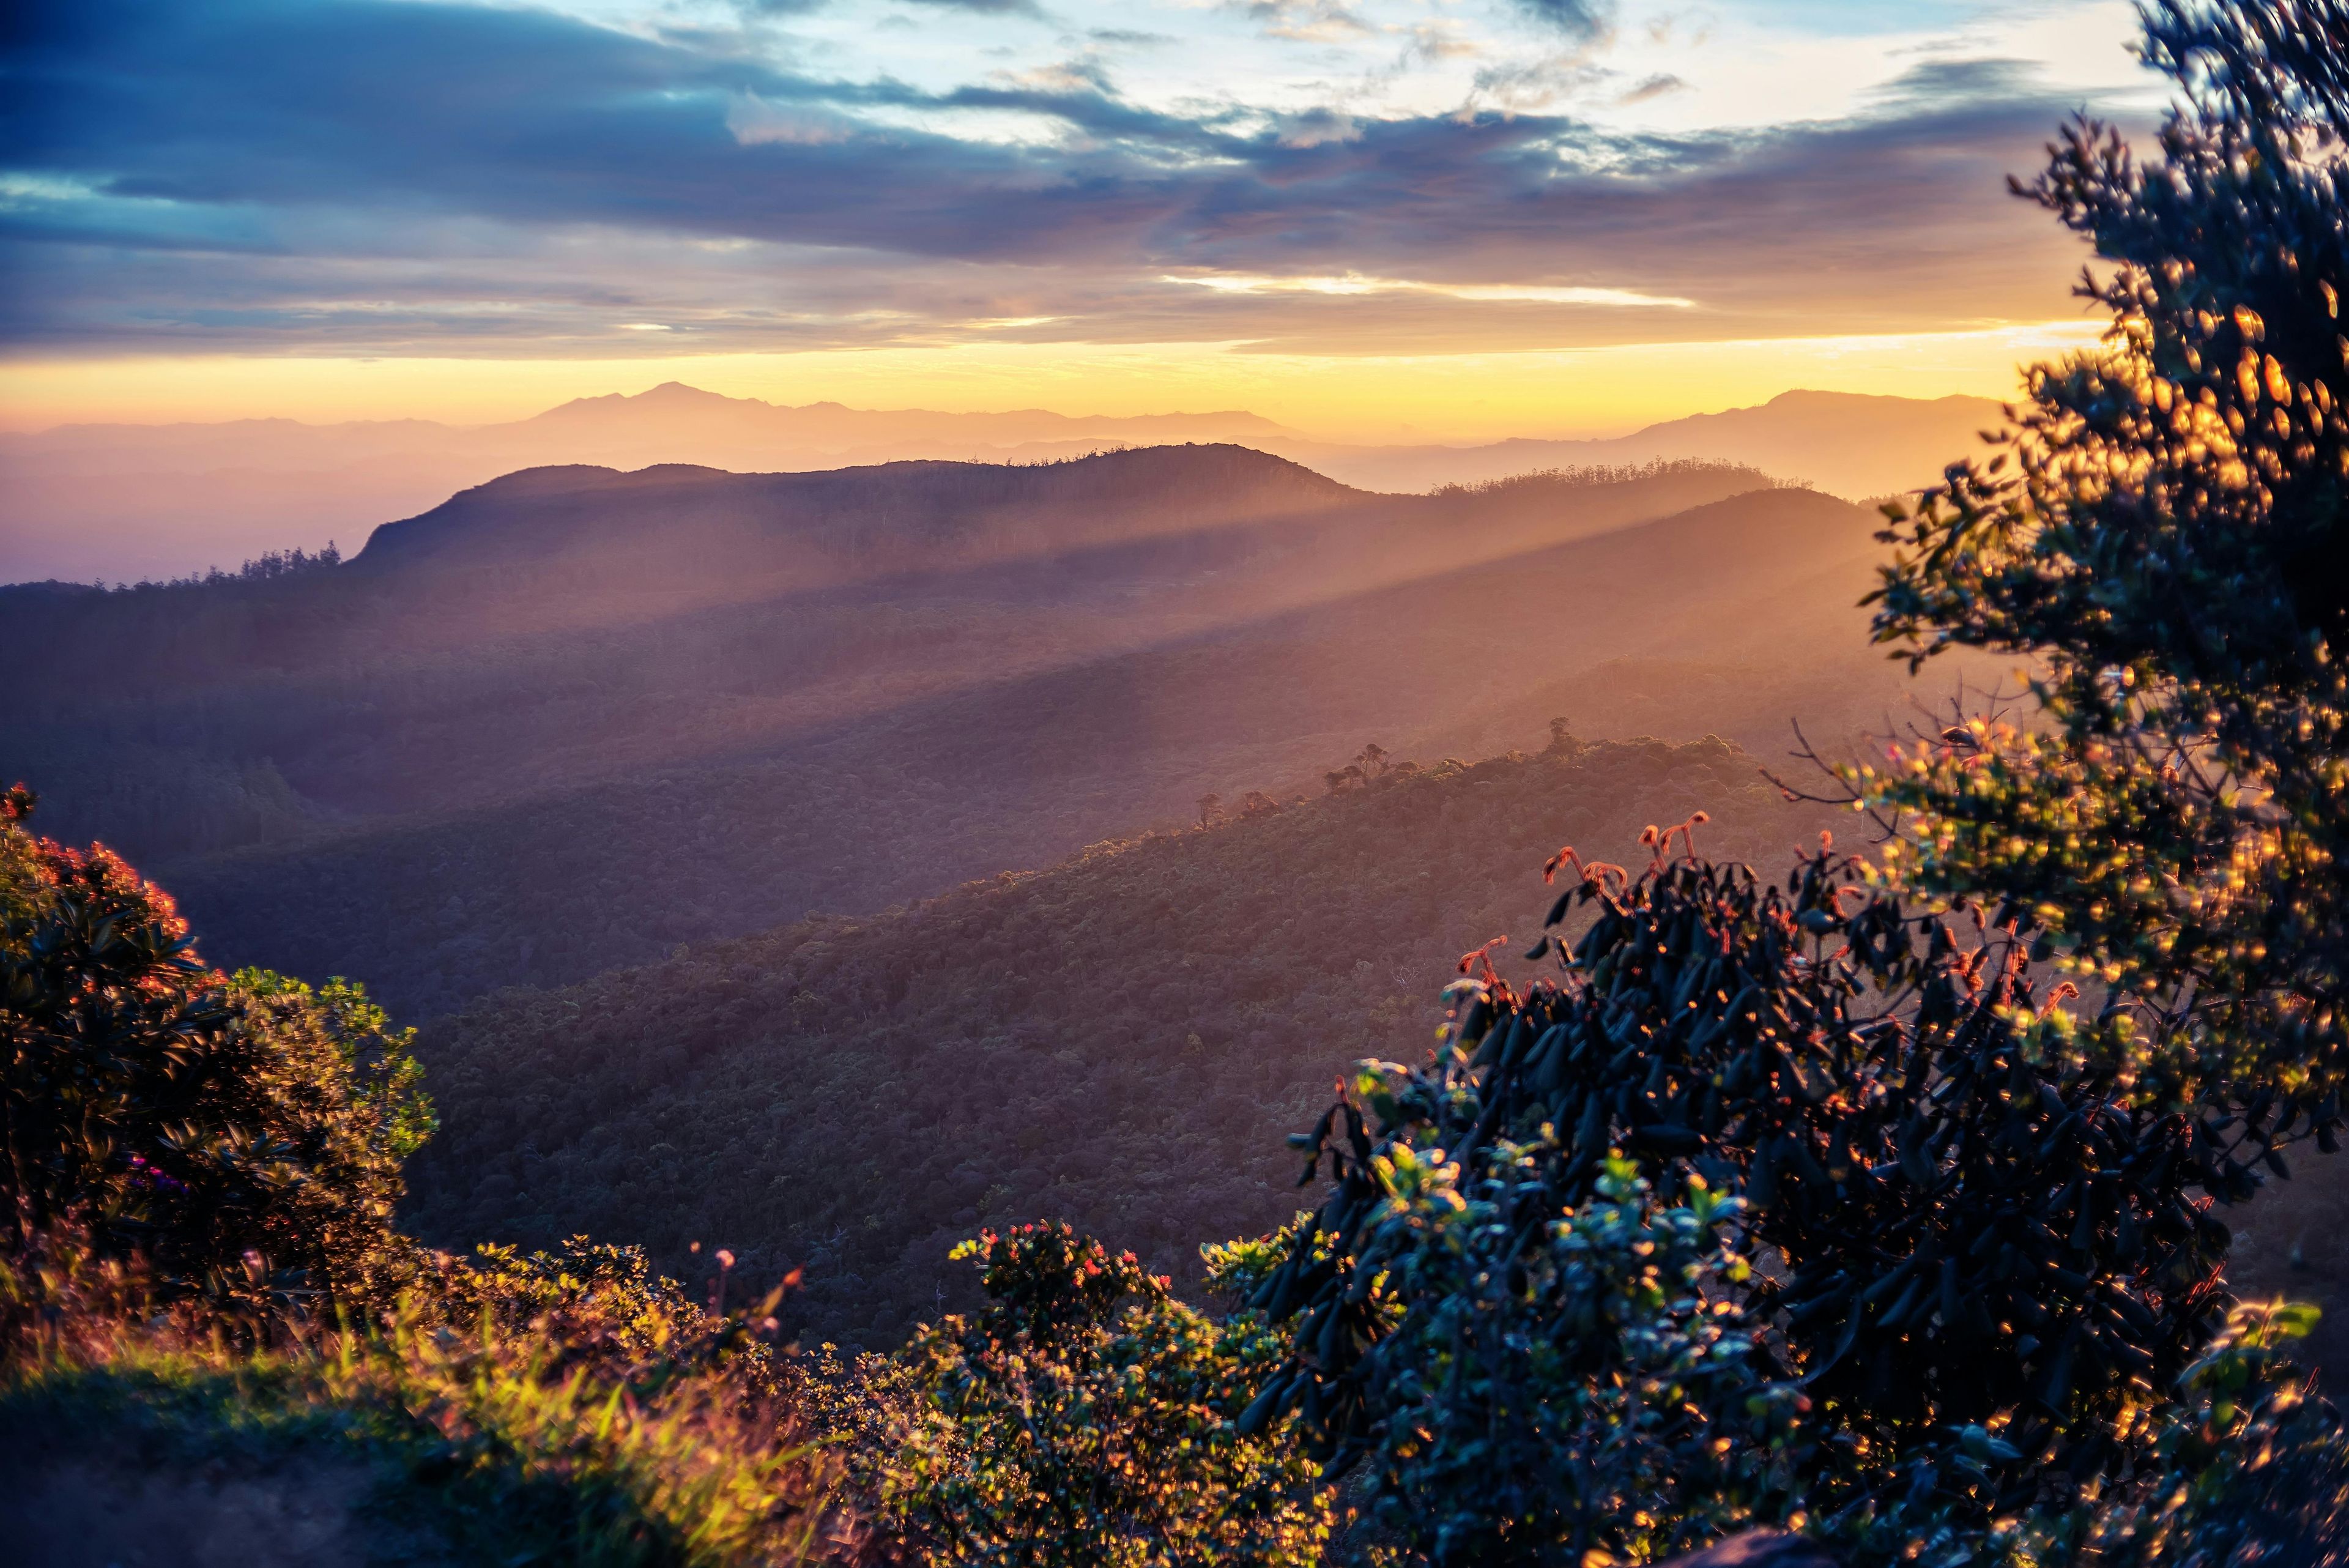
(1843,442)
(127,502)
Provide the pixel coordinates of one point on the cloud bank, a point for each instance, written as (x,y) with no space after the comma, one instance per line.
(382,176)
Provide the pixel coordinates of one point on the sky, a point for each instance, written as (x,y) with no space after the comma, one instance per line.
(1366,218)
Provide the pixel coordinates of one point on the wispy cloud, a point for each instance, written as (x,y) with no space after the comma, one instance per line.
(1306,21)
(1354,283)
(1584,19)
(1660,85)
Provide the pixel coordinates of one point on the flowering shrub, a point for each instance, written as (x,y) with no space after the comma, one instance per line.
(244,1133)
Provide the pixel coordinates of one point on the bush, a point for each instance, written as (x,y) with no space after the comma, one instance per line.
(602,1307)
(243,1133)
(1592,1387)
(1988,1254)
(1085,1415)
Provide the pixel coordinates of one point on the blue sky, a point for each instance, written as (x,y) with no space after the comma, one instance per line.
(601,179)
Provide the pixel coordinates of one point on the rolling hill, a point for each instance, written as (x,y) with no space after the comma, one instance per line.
(571,720)
(1845,442)
(1121,1041)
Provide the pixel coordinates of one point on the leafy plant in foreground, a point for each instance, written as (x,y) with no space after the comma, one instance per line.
(1086,1415)
(1995,1260)
(244,1133)
(1989,1258)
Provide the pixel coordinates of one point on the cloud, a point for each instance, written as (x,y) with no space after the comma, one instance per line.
(1956,81)
(1523,87)
(1583,20)
(988,7)
(371,176)
(1430,41)
(753,120)
(1316,128)
(1356,283)
(1660,85)
(1306,21)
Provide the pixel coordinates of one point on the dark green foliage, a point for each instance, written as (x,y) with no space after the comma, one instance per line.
(2255,1468)
(244,1134)
(1592,1386)
(1977,1223)
(1084,1416)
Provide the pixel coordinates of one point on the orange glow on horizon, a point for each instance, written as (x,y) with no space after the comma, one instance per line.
(1464,397)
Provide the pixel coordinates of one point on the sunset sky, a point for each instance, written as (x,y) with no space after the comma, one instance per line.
(1458,217)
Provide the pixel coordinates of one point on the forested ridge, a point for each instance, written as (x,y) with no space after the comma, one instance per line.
(337,782)
(1122,1041)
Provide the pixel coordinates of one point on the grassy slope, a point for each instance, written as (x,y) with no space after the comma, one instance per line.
(1121,1041)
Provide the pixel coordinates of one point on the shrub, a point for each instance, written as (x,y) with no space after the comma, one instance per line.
(245,1133)
(1988,1254)
(1591,1387)
(601,1306)
(1085,1415)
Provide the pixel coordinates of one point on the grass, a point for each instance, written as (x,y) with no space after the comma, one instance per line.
(476,1440)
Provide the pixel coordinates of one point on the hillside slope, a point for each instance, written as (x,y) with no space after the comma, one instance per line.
(1122,1041)
(486,764)
(881,805)
(127,501)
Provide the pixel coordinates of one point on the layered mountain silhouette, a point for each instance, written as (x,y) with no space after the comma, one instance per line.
(1845,442)
(571,717)
(126,501)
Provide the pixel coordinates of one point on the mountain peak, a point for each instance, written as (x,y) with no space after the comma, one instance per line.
(678,392)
